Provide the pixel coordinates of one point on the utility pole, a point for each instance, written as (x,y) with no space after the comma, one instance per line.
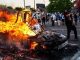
(24,4)
(34,4)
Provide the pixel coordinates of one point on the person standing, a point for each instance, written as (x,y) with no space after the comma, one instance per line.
(63,18)
(75,18)
(43,18)
(53,19)
(78,17)
(70,25)
(38,17)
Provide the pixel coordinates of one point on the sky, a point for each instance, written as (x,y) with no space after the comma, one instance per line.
(20,3)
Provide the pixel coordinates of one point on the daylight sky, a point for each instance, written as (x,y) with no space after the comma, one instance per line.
(20,3)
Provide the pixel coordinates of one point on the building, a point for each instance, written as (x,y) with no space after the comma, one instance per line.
(40,6)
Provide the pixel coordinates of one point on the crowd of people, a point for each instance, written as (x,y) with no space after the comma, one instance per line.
(56,18)
(67,18)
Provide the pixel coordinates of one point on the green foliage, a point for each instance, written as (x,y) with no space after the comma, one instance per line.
(59,5)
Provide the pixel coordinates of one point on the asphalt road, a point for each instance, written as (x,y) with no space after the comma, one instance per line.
(62,29)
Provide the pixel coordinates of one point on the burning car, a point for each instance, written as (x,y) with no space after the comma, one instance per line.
(25,38)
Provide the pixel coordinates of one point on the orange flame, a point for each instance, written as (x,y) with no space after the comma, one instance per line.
(33,45)
(17,31)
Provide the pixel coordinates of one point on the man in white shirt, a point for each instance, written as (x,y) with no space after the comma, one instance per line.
(53,18)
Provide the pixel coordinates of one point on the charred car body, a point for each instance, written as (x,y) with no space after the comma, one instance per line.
(37,43)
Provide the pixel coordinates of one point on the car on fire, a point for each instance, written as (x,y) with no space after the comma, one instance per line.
(26,37)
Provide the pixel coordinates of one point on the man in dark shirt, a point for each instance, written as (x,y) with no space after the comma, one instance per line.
(69,24)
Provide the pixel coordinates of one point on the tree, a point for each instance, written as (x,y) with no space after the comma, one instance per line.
(59,5)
